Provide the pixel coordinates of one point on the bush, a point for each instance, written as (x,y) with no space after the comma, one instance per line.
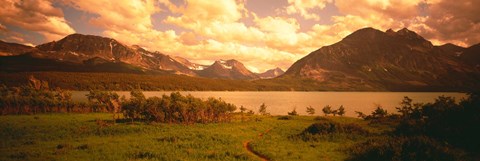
(263,110)
(327,110)
(403,149)
(446,121)
(331,127)
(30,100)
(285,118)
(293,113)
(177,108)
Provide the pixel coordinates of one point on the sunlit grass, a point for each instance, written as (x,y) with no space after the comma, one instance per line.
(80,137)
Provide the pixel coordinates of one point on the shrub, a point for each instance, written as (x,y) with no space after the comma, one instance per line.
(293,113)
(285,118)
(403,148)
(332,127)
(177,108)
(263,109)
(341,110)
(327,110)
(446,121)
(331,131)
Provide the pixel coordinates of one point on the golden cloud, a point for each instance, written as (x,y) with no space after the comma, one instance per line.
(303,7)
(38,16)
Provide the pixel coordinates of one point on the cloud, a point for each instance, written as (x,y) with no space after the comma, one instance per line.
(12,36)
(282,34)
(454,21)
(118,15)
(218,20)
(304,7)
(440,21)
(381,8)
(38,16)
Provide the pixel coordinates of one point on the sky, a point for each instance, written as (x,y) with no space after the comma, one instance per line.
(263,34)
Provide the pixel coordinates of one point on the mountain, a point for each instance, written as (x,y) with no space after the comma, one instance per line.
(30,62)
(78,49)
(272,73)
(159,61)
(7,49)
(227,69)
(450,48)
(471,56)
(188,64)
(369,59)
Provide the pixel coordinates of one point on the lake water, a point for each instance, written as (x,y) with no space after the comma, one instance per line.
(279,103)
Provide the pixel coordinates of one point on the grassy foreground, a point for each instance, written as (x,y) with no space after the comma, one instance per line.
(92,137)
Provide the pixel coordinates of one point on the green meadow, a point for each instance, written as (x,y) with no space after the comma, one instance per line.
(93,136)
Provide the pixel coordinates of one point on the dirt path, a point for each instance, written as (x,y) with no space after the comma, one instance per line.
(247,146)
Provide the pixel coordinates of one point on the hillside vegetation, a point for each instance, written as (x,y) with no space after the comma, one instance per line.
(155,82)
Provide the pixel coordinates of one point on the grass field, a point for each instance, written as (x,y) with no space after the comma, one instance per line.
(93,137)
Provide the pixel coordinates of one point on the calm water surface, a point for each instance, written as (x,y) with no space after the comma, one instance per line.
(279,103)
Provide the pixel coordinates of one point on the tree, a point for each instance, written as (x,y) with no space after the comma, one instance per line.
(327,110)
(379,112)
(361,114)
(293,113)
(341,110)
(334,112)
(310,110)
(263,109)
(405,107)
(242,109)
(110,100)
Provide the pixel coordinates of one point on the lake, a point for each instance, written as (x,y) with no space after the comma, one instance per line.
(279,103)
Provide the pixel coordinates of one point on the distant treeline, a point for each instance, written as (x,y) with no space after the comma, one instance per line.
(158,82)
(37,97)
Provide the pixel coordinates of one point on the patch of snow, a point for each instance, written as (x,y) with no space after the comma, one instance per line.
(74,53)
(111,48)
(226,66)
(385,69)
(196,67)
(147,54)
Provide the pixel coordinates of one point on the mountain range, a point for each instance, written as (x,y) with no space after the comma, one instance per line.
(367,59)
(87,53)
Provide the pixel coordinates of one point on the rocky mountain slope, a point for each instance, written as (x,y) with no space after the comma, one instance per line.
(227,69)
(8,49)
(272,73)
(403,60)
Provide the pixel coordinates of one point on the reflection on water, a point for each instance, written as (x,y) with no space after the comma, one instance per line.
(279,103)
